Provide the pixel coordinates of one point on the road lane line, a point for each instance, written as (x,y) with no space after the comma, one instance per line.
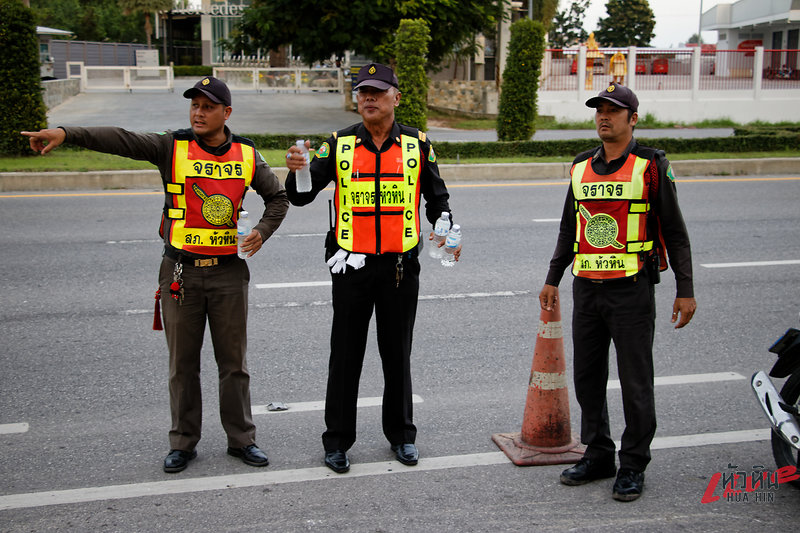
(547,220)
(7,429)
(752,264)
(293,284)
(277,477)
(614,384)
(298,407)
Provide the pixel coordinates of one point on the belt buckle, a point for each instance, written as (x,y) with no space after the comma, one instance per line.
(209,262)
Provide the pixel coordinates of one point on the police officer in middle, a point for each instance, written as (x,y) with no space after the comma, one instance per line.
(380,168)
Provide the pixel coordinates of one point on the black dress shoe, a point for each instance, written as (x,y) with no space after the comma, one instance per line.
(406,453)
(587,470)
(337,461)
(628,485)
(177,460)
(251,455)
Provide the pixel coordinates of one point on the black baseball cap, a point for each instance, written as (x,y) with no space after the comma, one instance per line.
(215,89)
(376,75)
(616,94)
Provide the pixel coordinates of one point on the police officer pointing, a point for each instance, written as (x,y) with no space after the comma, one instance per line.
(380,169)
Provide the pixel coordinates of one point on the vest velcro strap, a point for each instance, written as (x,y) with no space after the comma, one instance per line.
(176,214)
(639,206)
(174,188)
(639,246)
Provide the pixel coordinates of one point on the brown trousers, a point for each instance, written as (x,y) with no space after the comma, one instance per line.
(217,294)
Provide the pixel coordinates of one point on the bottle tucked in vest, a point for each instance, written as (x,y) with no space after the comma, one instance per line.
(377,196)
(205,194)
(611,219)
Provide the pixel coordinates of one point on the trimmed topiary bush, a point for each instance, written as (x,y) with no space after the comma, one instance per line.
(411,51)
(21,103)
(517,109)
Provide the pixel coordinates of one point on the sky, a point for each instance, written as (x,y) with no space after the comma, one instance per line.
(676,20)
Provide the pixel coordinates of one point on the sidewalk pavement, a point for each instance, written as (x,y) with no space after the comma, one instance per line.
(316,113)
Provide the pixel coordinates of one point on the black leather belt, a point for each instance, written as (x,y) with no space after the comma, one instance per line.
(198,261)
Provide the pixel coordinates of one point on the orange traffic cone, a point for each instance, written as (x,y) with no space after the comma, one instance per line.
(546,437)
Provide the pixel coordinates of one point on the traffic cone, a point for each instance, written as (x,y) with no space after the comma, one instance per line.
(546,437)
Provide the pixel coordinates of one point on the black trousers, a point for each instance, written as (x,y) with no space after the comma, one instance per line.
(355,294)
(622,311)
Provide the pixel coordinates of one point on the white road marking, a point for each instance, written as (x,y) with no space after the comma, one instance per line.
(547,220)
(687,379)
(277,477)
(293,284)
(752,264)
(7,429)
(373,401)
(424,297)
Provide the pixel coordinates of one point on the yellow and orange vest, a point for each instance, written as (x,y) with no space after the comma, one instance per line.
(611,219)
(377,196)
(204,196)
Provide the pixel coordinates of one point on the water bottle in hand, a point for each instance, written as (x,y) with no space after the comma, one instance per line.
(303,175)
(243,229)
(451,243)
(440,234)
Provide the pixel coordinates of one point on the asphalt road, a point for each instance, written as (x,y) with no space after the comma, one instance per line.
(84,409)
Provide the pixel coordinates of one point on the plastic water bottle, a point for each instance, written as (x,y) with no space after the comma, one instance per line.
(440,230)
(303,175)
(451,243)
(243,229)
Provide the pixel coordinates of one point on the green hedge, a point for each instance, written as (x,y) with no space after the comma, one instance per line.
(284,141)
(410,48)
(749,143)
(767,129)
(21,105)
(193,70)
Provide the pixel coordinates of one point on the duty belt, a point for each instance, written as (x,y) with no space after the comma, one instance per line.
(200,262)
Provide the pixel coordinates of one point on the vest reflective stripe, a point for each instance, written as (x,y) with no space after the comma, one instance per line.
(205,196)
(611,220)
(377,216)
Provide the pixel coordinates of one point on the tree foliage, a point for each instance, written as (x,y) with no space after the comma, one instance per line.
(21,104)
(544,11)
(146,7)
(317,30)
(517,109)
(410,48)
(567,28)
(98,20)
(629,23)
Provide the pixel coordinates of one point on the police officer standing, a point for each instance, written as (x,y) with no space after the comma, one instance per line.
(380,169)
(621,221)
(206,171)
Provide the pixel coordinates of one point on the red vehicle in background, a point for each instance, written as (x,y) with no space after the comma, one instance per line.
(660,66)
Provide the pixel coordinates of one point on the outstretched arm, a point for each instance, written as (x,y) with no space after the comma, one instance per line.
(43,141)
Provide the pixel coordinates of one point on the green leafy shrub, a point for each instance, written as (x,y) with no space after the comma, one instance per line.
(21,105)
(198,71)
(517,108)
(410,48)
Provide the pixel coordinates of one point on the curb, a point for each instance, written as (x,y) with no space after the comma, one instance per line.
(452,173)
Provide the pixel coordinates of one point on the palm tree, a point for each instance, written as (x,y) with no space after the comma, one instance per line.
(147,7)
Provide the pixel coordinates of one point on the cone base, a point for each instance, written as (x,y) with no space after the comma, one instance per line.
(522,454)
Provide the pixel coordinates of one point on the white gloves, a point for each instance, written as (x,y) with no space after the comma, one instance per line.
(339,261)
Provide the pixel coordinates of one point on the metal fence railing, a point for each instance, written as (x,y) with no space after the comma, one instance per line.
(128,78)
(282,79)
(671,69)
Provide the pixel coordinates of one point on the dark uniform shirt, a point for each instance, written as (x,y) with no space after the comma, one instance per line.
(664,207)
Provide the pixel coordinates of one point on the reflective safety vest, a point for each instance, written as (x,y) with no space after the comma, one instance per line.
(377,196)
(610,220)
(204,196)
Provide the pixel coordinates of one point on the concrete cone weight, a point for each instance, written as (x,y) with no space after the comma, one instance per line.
(546,437)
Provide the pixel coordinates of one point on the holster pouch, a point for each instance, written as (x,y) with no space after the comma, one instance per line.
(653,265)
(331,247)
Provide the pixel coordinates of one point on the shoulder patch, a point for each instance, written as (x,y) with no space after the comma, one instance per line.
(670,174)
(324,150)
(422,136)
(432,156)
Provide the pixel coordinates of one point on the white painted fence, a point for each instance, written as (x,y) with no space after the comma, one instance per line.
(121,78)
(282,79)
